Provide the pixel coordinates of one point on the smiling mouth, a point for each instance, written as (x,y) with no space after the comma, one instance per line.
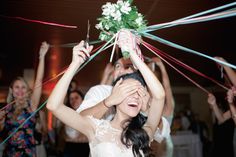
(133,105)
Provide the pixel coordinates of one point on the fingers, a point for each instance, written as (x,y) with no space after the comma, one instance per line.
(118,83)
(142,92)
(86,50)
(230,96)
(81,44)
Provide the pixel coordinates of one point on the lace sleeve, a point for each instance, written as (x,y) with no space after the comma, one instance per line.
(94,121)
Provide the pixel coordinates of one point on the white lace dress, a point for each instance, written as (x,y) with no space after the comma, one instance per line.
(106,141)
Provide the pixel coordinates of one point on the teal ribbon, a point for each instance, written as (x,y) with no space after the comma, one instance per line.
(22,124)
(160,26)
(166,42)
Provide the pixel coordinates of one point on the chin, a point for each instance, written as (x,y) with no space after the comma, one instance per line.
(133,114)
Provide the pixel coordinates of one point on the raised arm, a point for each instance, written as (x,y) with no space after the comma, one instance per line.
(107,77)
(169,100)
(156,90)
(221,117)
(157,94)
(104,106)
(230,72)
(37,89)
(55,101)
(98,110)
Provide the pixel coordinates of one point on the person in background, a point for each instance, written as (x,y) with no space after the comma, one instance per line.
(200,127)
(223,125)
(165,145)
(75,142)
(21,104)
(107,77)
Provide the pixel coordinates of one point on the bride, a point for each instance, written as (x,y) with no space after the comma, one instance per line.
(129,133)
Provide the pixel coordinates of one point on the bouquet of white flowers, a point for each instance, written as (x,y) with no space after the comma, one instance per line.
(117,16)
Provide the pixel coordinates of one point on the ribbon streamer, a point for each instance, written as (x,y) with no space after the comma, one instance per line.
(171,44)
(167,56)
(198,14)
(195,83)
(40,22)
(225,14)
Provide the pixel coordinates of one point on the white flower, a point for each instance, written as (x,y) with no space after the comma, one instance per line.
(116,15)
(125,8)
(139,20)
(102,36)
(120,2)
(108,9)
(99,26)
(107,27)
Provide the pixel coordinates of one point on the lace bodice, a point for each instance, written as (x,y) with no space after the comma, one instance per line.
(106,141)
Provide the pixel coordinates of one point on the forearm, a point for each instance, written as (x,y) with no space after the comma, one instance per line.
(37,89)
(218,114)
(169,100)
(40,70)
(231,74)
(233,112)
(104,80)
(153,83)
(98,111)
(59,92)
(157,95)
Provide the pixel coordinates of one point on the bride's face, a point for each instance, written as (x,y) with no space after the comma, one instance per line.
(132,104)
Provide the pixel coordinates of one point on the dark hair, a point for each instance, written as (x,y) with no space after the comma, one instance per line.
(74,91)
(133,133)
(135,75)
(78,92)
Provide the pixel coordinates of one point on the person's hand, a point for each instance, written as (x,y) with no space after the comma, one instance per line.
(221,59)
(80,53)
(230,96)
(234,90)
(126,41)
(145,96)
(157,61)
(43,49)
(108,69)
(211,100)
(120,91)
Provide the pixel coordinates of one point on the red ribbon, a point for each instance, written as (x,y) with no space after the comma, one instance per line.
(38,21)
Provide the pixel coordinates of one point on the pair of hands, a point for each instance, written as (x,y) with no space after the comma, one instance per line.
(230,97)
(128,42)
(124,89)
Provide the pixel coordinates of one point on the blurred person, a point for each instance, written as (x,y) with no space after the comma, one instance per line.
(76,143)
(223,127)
(22,143)
(200,127)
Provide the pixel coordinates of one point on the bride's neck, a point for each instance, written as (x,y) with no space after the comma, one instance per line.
(119,120)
